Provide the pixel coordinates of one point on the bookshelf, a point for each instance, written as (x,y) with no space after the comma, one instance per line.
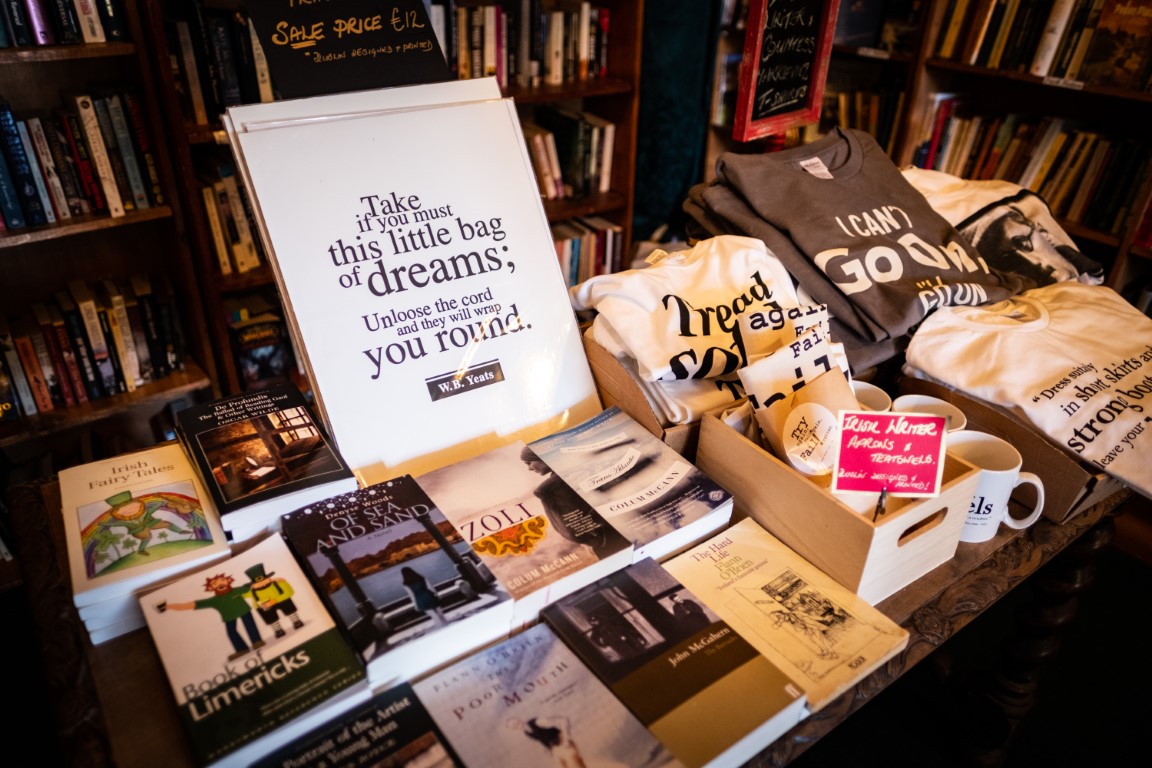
(39,260)
(614,97)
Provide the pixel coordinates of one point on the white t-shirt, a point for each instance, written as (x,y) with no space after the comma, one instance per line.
(1074,360)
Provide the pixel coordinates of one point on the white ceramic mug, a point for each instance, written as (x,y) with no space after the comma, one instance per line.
(931,405)
(871,397)
(999,463)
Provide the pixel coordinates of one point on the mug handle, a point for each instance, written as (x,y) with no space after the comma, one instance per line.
(1024,522)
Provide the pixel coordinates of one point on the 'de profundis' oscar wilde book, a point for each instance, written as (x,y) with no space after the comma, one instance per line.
(530,528)
(530,702)
(410,592)
(826,637)
(649,492)
(260,455)
(251,654)
(390,730)
(707,693)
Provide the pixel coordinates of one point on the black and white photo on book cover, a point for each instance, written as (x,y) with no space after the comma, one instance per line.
(418,272)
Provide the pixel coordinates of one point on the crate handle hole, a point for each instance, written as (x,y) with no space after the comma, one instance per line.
(922,527)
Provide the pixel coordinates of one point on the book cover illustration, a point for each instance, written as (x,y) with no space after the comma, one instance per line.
(531,702)
(263,350)
(133,519)
(435,306)
(410,591)
(650,493)
(675,664)
(260,446)
(532,530)
(390,730)
(1118,53)
(821,633)
(247,646)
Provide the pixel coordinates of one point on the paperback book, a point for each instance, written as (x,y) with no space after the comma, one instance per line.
(677,665)
(408,590)
(434,306)
(645,489)
(260,455)
(531,702)
(390,730)
(136,520)
(529,527)
(824,636)
(251,654)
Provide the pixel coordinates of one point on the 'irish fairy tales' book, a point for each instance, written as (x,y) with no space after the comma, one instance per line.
(251,654)
(530,702)
(420,279)
(530,528)
(677,666)
(649,492)
(136,520)
(823,635)
(260,455)
(390,730)
(405,585)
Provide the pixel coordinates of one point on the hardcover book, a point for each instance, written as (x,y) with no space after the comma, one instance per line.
(434,306)
(677,665)
(529,527)
(391,729)
(399,578)
(530,702)
(134,521)
(1118,53)
(654,496)
(824,636)
(260,455)
(251,654)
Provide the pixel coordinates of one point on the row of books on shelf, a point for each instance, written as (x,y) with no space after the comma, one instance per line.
(874,109)
(571,150)
(92,155)
(25,23)
(1086,177)
(524,42)
(587,246)
(584,592)
(1097,42)
(235,241)
(92,340)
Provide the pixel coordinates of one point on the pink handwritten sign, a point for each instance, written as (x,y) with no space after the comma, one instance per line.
(900,452)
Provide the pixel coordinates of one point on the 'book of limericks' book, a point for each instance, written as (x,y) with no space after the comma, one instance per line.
(408,589)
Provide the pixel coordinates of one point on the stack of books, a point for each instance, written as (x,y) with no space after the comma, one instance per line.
(130,523)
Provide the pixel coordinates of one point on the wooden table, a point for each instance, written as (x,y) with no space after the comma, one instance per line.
(114,706)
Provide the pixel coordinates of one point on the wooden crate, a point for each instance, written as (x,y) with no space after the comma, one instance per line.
(873,559)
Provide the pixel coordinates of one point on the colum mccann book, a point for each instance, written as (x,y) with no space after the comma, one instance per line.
(408,589)
(249,650)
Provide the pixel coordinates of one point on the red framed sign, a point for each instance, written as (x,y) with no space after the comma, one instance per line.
(785,65)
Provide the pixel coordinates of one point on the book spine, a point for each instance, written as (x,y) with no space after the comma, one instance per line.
(143,143)
(191,71)
(112,19)
(122,332)
(260,64)
(20,169)
(52,175)
(42,192)
(16,372)
(37,382)
(90,185)
(78,339)
(119,380)
(94,331)
(128,151)
(211,210)
(46,339)
(1049,42)
(136,322)
(69,366)
(40,23)
(101,163)
(54,377)
(10,210)
(248,255)
(115,157)
(16,18)
(150,315)
(91,29)
(220,49)
(66,22)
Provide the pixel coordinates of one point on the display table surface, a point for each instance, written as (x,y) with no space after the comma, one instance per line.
(113,705)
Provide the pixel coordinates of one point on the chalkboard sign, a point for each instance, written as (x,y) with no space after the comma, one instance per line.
(785,65)
(317,47)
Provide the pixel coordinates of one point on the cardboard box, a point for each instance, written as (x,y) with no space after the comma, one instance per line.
(873,559)
(1070,485)
(617,386)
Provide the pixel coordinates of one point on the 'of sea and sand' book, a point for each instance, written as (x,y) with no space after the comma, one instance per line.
(132,522)
(410,592)
(418,271)
(530,702)
(823,635)
(251,654)
(531,529)
(260,455)
(707,693)
(648,491)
